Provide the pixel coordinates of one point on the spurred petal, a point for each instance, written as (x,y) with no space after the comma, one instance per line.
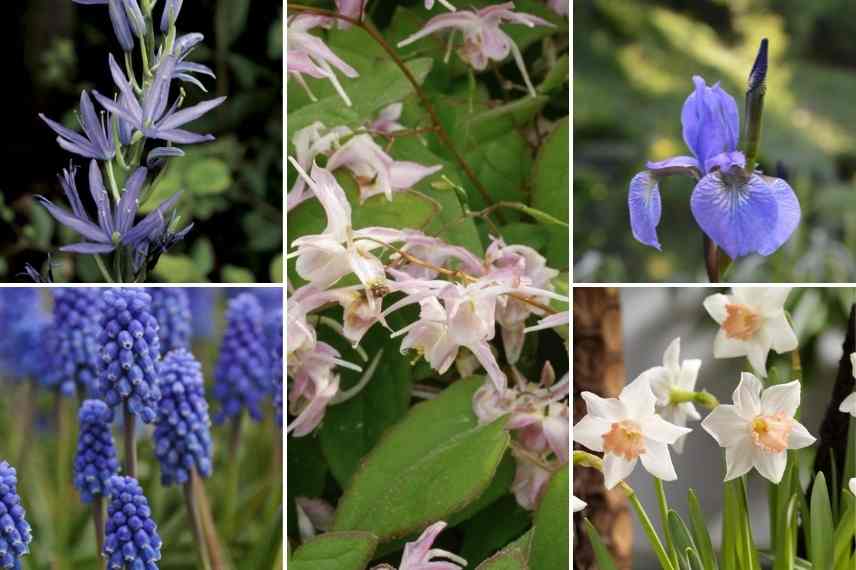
(643,200)
(405,174)
(463,20)
(738,216)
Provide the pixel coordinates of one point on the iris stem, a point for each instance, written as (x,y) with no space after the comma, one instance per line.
(98,521)
(196,521)
(130,442)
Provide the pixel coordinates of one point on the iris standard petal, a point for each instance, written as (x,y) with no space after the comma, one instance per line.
(711,121)
(789,214)
(643,200)
(675,165)
(737,215)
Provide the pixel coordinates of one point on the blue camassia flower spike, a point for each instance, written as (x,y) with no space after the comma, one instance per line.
(741,211)
(127,19)
(171,309)
(97,138)
(72,343)
(15,533)
(113,228)
(182,430)
(130,353)
(131,539)
(242,376)
(95,461)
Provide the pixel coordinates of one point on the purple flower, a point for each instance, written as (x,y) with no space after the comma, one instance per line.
(184,69)
(171,309)
(131,539)
(72,342)
(171,9)
(97,138)
(113,227)
(15,532)
(95,461)
(152,117)
(740,211)
(126,17)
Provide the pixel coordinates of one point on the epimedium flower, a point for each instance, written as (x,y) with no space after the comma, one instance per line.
(309,55)
(848,406)
(339,250)
(126,17)
(386,121)
(674,376)
(628,429)
(419,554)
(115,227)
(759,428)
(752,321)
(374,170)
(153,117)
(531,478)
(430,4)
(561,7)
(309,142)
(97,138)
(483,39)
(741,211)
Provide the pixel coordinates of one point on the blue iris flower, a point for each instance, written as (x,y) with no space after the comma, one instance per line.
(742,212)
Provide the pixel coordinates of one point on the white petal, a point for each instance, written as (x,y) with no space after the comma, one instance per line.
(726,426)
(657,461)
(577,504)
(848,406)
(690,410)
(772,299)
(638,398)
(800,437)
(771,466)
(616,469)
(738,460)
(589,432)
(672,355)
(853,485)
(757,350)
(678,446)
(715,306)
(656,428)
(689,374)
(747,396)
(784,398)
(853,364)
(725,347)
(606,408)
(782,336)
(660,381)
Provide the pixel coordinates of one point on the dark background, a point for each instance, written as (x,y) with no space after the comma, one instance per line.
(56,48)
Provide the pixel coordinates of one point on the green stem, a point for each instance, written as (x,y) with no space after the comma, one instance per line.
(234,474)
(650,532)
(195,522)
(130,442)
(111,177)
(664,520)
(103,269)
(98,521)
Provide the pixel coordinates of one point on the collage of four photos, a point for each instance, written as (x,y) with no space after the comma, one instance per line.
(416,320)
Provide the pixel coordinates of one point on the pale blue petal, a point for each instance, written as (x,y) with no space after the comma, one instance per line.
(789,214)
(645,209)
(675,165)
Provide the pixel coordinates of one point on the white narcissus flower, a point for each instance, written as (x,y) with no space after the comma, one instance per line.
(577,504)
(674,375)
(853,485)
(759,428)
(848,406)
(340,250)
(374,170)
(627,429)
(483,40)
(752,321)
(309,55)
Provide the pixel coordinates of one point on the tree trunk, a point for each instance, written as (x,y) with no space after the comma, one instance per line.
(599,368)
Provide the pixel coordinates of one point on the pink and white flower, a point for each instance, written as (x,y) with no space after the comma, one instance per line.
(848,406)
(420,555)
(374,170)
(561,7)
(627,429)
(309,55)
(672,376)
(354,9)
(386,121)
(759,429)
(309,143)
(752,321)
(530,481)
(483,39)
(430,4)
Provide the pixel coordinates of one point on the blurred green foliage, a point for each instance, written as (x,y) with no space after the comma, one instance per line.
(633,65)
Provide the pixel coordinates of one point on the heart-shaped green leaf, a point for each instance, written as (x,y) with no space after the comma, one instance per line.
(335,551)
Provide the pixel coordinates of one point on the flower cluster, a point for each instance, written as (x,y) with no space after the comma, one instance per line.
(116,141)
(72,342)
(201,303)
(182,435)
(25,329)
(276,366)
(740,209)
(95,461)
(131,537)
(418,555)
(15,533)
(242,377)
(171,310)
(130,351)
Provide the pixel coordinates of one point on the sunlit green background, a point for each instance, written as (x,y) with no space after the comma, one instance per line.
(633,64)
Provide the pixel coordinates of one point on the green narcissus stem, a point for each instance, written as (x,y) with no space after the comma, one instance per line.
(663,504)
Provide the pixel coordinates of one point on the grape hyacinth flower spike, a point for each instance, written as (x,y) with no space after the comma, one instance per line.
(242,376)
(171,309)
(182,436)
(15,532)
(132,541)
(483,39)
(95,461)
(740,209)
(72,342)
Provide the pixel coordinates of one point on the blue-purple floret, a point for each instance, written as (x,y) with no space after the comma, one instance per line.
(202,310)
(127,19)
(276,363)
(129,351)
(73,342)
(242,377)
(182,431)
(95,461)
(15,532)
(25,326)
(131,539)
(171,309)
